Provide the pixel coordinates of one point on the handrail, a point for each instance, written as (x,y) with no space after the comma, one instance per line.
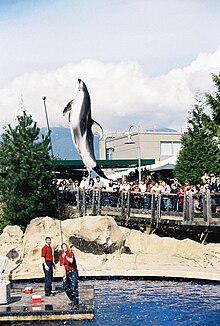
(125,200)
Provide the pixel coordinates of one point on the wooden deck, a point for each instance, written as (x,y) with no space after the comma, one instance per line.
(53,308)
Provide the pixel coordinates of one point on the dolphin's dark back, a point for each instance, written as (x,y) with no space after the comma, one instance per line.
(85,114)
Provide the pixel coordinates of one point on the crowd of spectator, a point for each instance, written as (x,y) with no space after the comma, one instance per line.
(172,192)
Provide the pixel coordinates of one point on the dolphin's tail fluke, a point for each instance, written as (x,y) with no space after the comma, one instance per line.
(99,171)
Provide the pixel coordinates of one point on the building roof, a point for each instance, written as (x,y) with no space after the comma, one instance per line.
(105,164)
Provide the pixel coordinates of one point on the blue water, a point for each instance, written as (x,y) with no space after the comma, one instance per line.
(157,303)
(140,302)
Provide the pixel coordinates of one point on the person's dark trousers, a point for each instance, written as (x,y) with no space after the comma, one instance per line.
(70,286)
(48,278)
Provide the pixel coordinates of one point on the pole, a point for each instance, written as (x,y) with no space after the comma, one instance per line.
(59,214)
(139,164)
(48,127)
(130,141)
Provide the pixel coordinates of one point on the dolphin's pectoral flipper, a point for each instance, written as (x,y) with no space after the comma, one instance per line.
(96,128)
(68,107)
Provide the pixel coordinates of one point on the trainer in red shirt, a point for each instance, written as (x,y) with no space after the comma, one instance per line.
(67,259)
(70,275)
(46,252)
(48,265)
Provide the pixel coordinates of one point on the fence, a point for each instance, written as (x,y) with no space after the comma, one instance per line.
(188,208)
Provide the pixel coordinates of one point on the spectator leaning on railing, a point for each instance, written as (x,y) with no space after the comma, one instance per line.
(165,191)
(84,183)
(141,197)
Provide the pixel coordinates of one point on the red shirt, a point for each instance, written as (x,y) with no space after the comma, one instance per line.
(64,262)
(46,252)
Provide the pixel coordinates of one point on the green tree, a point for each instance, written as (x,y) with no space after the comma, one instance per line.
(214,104)
(199,152)
(27,188)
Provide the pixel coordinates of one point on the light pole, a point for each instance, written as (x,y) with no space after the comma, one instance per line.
(129,141)
(48,126)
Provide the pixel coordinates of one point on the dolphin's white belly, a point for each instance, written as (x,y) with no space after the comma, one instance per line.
(81,144)
(85,154)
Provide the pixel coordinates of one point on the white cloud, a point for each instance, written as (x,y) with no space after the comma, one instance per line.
(159,35)
(121,93)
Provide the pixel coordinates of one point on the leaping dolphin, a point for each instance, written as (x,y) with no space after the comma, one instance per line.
(83,127)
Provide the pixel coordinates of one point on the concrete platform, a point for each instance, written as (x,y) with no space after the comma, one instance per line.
(51,308)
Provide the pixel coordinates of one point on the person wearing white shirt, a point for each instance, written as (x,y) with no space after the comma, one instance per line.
(165,191)
(84,183)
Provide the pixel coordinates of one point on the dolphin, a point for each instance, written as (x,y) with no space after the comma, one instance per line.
(83,127)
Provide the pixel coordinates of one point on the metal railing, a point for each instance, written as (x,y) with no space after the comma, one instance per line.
(187,207)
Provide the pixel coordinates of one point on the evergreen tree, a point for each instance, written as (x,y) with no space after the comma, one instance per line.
(199,152)
(27,188)
(214,103)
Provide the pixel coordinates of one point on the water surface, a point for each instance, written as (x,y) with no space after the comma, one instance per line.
(144,302)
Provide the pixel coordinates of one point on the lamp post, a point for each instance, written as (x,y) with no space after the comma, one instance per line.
(48,126)
(129,141)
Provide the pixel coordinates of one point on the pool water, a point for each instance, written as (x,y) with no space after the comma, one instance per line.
(141,302)
(157,303)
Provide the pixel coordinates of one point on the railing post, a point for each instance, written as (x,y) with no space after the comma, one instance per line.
(84,202)
(185,208)
(190,206)
(78,200)
(122,205)
(152,223)
(159,197)
(99,201)
(152,206)
(128,211)
(204,207)
(209,206)
(93,202)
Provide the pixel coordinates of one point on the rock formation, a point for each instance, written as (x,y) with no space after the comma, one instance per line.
(102,248)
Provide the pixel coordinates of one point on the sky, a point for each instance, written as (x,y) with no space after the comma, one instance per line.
(143,61)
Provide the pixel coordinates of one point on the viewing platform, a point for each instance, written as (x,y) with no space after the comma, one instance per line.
(199,217)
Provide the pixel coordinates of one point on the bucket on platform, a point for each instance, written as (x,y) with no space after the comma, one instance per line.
(36,298)
(28,290)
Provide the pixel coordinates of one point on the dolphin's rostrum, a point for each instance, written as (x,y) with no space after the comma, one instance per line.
(83,127)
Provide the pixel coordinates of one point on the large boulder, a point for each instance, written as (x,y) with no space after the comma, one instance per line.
(102,248)
(33,241)
(94,234)
(151,250)
(11,246)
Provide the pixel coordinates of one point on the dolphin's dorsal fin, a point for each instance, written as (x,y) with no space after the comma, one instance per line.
(68,107)
(96,128)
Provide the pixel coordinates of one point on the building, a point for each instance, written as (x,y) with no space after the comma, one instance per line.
(142,144)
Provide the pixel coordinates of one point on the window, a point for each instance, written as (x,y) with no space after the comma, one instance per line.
(170,148)
(108,153)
